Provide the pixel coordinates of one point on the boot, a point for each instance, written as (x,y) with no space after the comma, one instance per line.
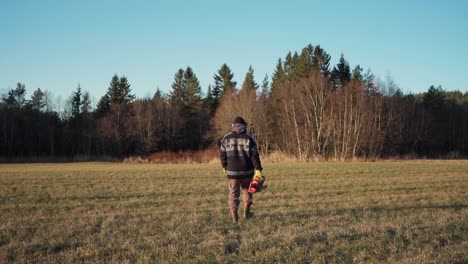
(247,212)
(234,216)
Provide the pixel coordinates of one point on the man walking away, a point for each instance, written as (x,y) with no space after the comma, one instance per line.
(241,161)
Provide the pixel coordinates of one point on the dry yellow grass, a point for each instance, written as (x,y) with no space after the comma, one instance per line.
(410,212)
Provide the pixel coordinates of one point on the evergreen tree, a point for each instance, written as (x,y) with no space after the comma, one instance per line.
(103,105)
(157,95)
(321,61)
(223,81)
(369,83)
(16,97)
(124,91)
(86,103)
(116,113)
(20,93)
(434,98)
(437,109)
(76,102)
(290,67)
(341,73)
(215,95)
(279,76)
(111,97)
(10,99)
(208,102)
(192,88)
(178,93)
(119,92)
(287,65)
(265,86)
(37,100)
(114,90)
(304,65)
(295,62)
(357,73)
(249,82)
(186,99)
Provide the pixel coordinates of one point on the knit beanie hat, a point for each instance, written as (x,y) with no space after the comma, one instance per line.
(239,120)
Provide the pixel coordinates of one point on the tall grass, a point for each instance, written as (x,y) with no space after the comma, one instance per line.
(180,157)
(210,155)
(392,212)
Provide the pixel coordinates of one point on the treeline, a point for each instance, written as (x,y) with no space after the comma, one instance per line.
(308,109)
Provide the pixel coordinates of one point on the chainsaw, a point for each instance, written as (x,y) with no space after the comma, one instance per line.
(257,184)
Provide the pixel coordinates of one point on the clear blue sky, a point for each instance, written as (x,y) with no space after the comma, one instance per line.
(55,45)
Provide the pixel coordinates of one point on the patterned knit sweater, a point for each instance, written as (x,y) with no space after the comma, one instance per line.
(239,154)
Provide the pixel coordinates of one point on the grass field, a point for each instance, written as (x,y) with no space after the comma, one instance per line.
(397,212)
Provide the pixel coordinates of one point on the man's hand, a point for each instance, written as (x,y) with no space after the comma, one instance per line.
(258,175)
(224,172)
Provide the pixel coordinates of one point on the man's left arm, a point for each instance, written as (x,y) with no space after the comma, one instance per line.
(254,155)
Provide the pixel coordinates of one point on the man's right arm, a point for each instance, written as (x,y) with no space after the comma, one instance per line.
(223,154)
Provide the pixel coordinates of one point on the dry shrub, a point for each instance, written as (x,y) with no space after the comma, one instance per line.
(278,156)
(210,156)
(188,156)
(136,159)
(283,157)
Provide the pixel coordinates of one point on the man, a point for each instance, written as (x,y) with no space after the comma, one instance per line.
(241,162)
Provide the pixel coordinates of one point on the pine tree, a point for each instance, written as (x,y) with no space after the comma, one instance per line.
(114,90)
(434,98)
(10,99)
(86,103)
(223,81)
(249,82)
(304,64)
(208,102)
(186,104)
(124,91)
(76,102)
(119,92)
(115,111)
(16,97)
(157,95)
(279,77)
(295,62)
(265,86)
(287,65)
(357,73)
(437,108)
(103,105)
(291,66)
(178,93)
(111,97)
(192,88)
(215,95)
(341,73)
(37,100)
(20,93)
(321,61)
(369,84)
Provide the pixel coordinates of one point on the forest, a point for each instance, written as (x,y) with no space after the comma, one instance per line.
(308,109)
